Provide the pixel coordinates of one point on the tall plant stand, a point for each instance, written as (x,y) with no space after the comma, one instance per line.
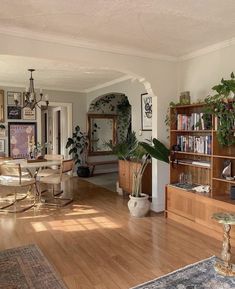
(224,266)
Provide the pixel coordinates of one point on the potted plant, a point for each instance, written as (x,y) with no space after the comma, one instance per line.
(78,144)
(139,204)
(222,106)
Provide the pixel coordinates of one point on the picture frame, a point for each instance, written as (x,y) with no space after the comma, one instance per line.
(2,146)
(20,134)
(146,112)
(29,114)
(2,114)
(10,98)
(13,112)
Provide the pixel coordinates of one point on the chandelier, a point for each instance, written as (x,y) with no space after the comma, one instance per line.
(30,96)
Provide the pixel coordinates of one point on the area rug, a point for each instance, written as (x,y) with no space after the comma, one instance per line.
(200,275)
(27,268)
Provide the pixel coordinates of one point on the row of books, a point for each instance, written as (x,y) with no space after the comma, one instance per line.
(195,144)
(194,121)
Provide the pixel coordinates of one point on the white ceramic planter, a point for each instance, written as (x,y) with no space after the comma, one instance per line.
(139,207)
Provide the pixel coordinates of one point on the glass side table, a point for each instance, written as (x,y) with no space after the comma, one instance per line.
(224,266)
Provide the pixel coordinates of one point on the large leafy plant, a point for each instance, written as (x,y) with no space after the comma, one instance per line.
(77,145)
(222,106)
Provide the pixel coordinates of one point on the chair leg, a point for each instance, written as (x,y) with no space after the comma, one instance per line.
(59,201)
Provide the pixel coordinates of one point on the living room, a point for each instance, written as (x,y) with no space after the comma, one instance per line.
(172,52)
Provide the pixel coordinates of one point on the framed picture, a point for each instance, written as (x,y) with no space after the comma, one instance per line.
(2,146)
(11,95)
(185,97)
(13,112)
(20,136)
(146,111)
(1,105)
(29,114)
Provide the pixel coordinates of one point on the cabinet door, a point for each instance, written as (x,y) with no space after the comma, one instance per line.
(181,203)
(124,175)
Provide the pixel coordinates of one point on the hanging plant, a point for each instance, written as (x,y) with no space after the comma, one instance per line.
(222,106)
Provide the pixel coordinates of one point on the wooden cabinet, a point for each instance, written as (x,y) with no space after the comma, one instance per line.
(126,169)
(198,154)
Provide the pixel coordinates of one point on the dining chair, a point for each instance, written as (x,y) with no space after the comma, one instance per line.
(64,174)
(11,178)
(45,172)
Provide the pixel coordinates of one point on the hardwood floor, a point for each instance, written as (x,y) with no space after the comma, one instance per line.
(94,243)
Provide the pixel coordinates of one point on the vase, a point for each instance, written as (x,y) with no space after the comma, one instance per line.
(139,206)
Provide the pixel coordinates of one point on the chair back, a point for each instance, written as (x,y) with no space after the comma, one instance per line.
(67,166)
(11,170)
(54,157)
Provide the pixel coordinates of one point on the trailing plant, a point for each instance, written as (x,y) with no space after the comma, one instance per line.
(222,106)
(2,126)
(78,144)
(158,151)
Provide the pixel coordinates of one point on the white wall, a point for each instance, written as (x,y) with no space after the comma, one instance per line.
(201,73)
(78,101)
(133,90)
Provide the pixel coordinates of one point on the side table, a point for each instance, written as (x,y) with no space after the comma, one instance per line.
(224,266)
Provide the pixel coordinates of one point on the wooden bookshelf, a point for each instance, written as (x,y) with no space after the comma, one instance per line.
(186,206)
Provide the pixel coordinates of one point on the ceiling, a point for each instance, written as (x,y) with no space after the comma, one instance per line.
(53,74)
(170,27)
(140,27)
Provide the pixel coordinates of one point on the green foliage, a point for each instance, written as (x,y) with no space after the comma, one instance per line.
(158,151)
(2,126)
(222,106)
(77,145)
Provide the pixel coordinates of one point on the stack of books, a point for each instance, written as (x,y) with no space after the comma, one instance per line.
(195,144)
(194,121)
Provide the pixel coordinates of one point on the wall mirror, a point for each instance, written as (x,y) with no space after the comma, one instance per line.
(1,105)
(102,128)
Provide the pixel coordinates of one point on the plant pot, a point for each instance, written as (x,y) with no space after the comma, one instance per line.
(140,206)
(83,172)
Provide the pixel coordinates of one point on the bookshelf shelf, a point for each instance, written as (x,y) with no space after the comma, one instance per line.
(191,153)
(185,206)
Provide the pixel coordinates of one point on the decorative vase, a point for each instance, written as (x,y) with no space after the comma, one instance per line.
(139,206)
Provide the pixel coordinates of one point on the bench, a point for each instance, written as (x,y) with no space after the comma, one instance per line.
(100,163)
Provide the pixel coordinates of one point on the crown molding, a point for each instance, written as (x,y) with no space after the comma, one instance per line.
(208,49)
(82,43)
(22,86)
(109,83)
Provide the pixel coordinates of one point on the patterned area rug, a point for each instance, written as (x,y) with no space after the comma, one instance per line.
(27,268)
(200,275)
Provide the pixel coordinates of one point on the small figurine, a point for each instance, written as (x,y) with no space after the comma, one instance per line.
(226,173)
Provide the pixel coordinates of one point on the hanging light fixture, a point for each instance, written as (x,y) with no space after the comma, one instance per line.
(30,96)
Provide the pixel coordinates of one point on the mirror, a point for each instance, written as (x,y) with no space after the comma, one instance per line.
(101,129)
(1,105)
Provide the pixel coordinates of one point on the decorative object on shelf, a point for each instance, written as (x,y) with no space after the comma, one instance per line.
(224,266)
(1,105)
(78,145)
(12,96)
(2,146)
(185,97)
(29,114)
(146,111)
(22,138)
(30,98)
(222,106)
(226,173)
(14,112)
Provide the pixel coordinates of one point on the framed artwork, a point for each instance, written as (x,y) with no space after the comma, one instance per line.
(20,136)
(146,111)
(13,112)
(10,98)
(1,105)
(2,146)
(29,114)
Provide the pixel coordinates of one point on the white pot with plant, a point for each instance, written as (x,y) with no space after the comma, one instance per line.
(139,204)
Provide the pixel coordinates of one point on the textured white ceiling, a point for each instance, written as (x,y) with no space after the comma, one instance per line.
(170,27)
(52,74)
